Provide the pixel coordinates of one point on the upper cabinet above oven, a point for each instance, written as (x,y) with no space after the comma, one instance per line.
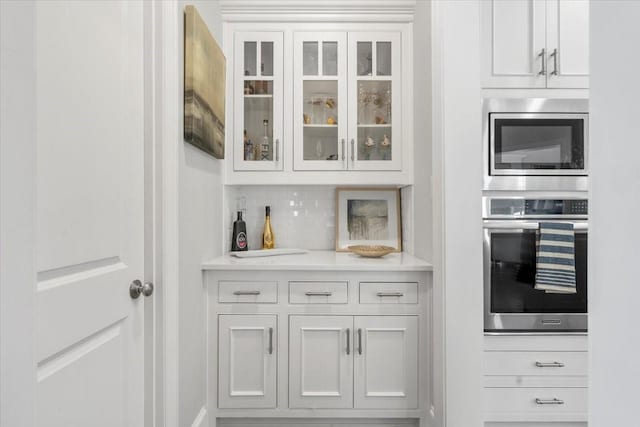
(535,44)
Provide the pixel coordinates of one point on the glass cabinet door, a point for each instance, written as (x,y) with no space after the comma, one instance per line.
(258,106)
(320,107)
(374,101)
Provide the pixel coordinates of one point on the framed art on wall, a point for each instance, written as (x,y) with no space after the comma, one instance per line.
(368,216)
(204,86)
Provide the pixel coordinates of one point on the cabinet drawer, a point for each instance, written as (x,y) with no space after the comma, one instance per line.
(247,292)
(533,401)
(388,293)
(554,363)
(318,292)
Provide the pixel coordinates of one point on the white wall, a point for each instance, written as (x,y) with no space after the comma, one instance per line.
(614,248)
(422,235)
(17,212)
(200,191)
(457,177)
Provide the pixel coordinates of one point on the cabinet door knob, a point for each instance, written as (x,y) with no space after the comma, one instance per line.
(343,155)
(554,55)
(359,341)
(353,151)
(277,150)
(270,340)
(137,288)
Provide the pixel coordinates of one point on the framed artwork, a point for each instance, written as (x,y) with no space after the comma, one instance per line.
(204,86)
(368,216)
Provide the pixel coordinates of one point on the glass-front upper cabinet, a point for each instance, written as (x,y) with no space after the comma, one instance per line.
(374,101)
(258,87)
(320,107)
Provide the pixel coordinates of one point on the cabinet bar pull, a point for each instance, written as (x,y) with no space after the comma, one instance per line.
(543,59)
(343,155)
(318,294)
(270,340)
(277,150)
(554,54)
(550,364)
(390,294)
(348,341)
(553,401)
(359,341)
(246,292)
(353,151)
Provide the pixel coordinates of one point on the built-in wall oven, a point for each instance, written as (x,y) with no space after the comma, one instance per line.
(511,302)
(536,144)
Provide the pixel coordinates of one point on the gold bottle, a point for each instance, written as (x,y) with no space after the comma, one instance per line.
(268,239)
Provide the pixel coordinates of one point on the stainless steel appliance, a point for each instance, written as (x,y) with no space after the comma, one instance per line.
(510,301)
(536,144)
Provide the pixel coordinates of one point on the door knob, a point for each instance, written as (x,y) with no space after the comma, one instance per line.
(137,288)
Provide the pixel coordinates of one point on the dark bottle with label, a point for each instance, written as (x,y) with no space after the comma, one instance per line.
(239,240)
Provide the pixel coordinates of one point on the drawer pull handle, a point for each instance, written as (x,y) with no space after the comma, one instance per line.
(390,294)
(550,364)
(318,294)
(553,401)
(246,292)
(270,340)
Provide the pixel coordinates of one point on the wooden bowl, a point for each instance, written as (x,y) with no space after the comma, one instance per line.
(371,251)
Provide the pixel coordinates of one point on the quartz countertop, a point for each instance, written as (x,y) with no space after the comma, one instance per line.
(320,261)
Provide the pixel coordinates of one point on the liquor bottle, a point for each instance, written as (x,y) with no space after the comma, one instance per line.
(239,239)
(265,146)
(268,239)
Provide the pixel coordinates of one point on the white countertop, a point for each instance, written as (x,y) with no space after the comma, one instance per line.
(320,261)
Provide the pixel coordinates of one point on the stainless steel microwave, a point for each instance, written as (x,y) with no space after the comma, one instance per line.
(536,144)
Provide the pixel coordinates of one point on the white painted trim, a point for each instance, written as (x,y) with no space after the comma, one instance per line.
(202,419)
(169,100)
(312,11)
(17,213)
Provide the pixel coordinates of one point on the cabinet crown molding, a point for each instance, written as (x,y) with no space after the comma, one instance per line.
(317,11)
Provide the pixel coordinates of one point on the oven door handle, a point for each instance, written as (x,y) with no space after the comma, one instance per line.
(530,225)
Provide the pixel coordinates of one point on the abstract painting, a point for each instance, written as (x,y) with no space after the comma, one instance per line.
(204,86)
(368,216)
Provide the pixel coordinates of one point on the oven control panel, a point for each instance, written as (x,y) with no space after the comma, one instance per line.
(534,208)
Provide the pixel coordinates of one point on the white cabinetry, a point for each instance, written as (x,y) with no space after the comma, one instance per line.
(258,95)
(300,343)
(362,362)
(335,100)
(247,360)
(535,43)
(386,362)
(538,378)
(320,362)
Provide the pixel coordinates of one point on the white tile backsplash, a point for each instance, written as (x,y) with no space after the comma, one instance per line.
(301,216)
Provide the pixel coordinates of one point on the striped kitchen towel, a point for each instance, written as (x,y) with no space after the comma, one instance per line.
(555,258)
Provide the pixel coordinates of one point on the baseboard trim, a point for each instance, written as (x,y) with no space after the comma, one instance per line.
(201,419)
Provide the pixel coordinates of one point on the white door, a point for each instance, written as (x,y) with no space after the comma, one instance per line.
(386,362)
(320,100)
(247,358)
(89,231)
(320,362)
(375,100)
(513,44)
(568,43)
(258,101)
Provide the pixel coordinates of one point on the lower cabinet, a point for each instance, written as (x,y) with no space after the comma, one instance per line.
(247,358)
(353,362)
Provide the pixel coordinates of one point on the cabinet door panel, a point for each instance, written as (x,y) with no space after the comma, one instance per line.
(258,106)
(320,362)
(568,43)
(386,362)
(375,98)
(247,356)
(513,37)
(320,100)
